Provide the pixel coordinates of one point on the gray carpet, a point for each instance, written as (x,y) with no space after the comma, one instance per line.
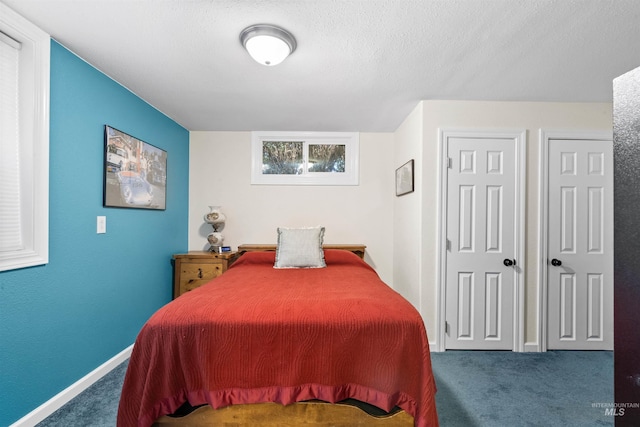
(97,406)
(556,388)
(475,388)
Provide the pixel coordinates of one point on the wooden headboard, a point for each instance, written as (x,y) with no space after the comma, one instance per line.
(356,248)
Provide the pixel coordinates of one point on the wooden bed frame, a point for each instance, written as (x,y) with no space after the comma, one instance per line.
(311,413)
(355,248)
(317,414)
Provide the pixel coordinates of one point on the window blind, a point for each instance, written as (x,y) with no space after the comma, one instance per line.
(10,214)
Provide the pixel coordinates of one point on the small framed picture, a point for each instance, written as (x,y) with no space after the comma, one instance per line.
(404,179)
(135,173)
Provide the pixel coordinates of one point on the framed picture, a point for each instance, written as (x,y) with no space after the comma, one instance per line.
(404,178)
(135,173)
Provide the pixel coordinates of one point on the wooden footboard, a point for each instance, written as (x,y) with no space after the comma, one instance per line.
(318,414)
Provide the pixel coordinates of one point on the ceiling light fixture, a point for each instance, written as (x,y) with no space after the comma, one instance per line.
(267,44)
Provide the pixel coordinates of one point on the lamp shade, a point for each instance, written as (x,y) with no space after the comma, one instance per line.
(267,44)
(215,216)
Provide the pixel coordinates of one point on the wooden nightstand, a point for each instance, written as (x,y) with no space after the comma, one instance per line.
(197,268)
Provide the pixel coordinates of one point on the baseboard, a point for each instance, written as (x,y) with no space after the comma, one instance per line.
(531,347)
(60,399)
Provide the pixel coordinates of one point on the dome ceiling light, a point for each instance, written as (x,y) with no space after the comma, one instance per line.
(267,44)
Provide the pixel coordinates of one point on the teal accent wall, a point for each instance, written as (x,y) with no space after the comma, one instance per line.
(60,321)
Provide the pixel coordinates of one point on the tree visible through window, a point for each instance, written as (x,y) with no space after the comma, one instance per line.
(326,158)
(304,158)
(282,157)
(288,157)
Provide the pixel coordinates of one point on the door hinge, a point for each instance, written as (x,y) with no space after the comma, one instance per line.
(448,245)
(446,327)
(449,162)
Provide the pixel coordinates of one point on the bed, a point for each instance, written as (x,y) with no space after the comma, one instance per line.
(260,342)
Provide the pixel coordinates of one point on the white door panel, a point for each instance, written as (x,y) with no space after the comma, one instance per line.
(580,245)
(481,219)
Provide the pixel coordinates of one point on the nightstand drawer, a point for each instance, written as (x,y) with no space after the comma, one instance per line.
(194,275)
(197,268)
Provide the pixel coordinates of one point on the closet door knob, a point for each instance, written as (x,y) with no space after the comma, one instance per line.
(556,262)
(509,262)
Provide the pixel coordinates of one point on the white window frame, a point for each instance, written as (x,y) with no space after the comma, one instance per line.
(351,141)
(34,140)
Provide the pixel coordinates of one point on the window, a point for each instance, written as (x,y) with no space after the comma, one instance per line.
(310,158)
(24,142)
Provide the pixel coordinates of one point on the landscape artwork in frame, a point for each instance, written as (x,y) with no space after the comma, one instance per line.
(135,172)
(404,178)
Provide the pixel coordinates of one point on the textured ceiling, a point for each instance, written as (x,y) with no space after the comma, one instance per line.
(360,65)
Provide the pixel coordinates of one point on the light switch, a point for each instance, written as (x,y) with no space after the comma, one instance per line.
(102,224)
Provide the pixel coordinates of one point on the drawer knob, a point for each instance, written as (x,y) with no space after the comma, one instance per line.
(199,273)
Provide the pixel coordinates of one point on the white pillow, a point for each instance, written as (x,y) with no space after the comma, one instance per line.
(300,248)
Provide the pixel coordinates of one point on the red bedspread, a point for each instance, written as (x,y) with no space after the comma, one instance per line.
(259,334)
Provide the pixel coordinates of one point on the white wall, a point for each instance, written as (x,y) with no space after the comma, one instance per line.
(530,116)
(407,227)
(220,174)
